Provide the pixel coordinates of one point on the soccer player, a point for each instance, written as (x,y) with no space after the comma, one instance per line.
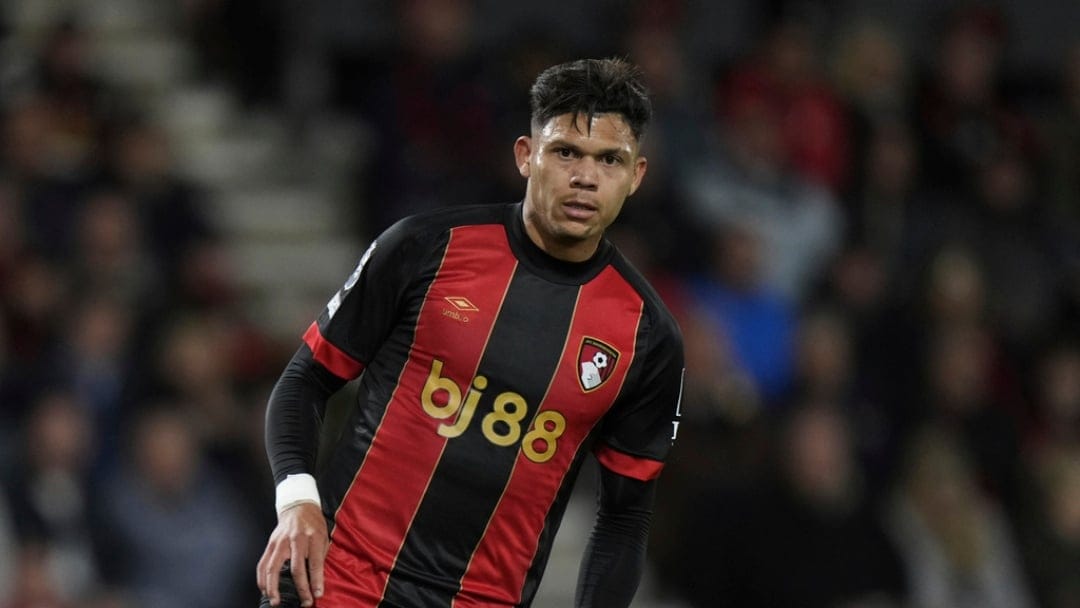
(498,346)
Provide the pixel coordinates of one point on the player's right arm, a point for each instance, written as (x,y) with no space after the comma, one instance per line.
(336,347)
(293,416)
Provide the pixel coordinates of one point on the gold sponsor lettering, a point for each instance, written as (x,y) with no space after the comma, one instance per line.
(437,384)
(454,430)
(441,398)
(510,417)
(543,435)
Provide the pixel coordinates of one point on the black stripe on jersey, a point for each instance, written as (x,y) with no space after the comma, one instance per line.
(444,533)
(351,446)
(552,522)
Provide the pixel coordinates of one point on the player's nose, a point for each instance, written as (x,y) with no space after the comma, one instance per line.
(584,175)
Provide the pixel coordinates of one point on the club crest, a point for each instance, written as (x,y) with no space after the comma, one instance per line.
(596,361)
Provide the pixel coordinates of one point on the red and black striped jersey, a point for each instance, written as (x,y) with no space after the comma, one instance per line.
(490,369)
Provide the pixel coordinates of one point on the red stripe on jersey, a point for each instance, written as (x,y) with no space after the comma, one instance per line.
(642,469)
(607,309)
(377,511)
(331,357)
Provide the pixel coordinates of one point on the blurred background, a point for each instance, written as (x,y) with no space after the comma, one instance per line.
(866,216)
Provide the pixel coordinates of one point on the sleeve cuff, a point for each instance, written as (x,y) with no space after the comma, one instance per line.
(640,468)
(296,489)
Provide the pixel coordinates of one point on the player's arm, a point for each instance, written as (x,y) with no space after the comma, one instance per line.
(348,333)
(293,418)
(634,441)
(615,558)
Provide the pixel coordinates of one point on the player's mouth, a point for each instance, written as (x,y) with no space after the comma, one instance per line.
(580,210)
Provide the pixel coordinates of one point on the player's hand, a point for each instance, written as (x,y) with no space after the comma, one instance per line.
(301,538)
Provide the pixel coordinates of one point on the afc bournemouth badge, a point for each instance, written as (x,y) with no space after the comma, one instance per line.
(596,361)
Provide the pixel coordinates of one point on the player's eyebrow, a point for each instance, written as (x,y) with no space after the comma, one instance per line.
(562,143)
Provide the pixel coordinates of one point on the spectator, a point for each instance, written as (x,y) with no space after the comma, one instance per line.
(807,537)
(956,545)
(193,368)
(1003,224)
(823,364)
(96,359)
(826,372)
(35,584)
(870,67)
(75,97)
(434,115)
(174,529)
(964,116)
(785,75)
(949,291)
(170,209)
(110,253)
(1056,400)
(886,202)
(51,496)
(32,315)
(748,182)
(868,278)
(1053,542)
(752,318)
(48,197)
(1019,249)
(960,396)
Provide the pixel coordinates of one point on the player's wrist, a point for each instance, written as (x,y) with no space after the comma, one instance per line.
(296,490)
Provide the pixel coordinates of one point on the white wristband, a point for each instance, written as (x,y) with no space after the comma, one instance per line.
(295,489)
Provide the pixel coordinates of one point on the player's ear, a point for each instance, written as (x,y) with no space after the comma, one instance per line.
(523,154)
(640,165)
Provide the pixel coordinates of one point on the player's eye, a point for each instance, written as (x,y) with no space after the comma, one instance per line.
(564,152)
(611,160)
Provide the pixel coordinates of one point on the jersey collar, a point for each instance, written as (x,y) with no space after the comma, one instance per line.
(552,269)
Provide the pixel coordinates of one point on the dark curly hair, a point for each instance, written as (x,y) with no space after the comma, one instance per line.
(590,87)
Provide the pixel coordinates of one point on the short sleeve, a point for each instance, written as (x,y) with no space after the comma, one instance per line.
(360,315)
(641,427)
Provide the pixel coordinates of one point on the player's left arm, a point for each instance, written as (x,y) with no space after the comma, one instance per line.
(615,558)
(634,441)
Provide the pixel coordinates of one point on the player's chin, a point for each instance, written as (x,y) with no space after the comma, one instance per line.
(575,230)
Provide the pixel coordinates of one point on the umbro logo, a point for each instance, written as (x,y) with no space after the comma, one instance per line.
(461,307)
(461,303)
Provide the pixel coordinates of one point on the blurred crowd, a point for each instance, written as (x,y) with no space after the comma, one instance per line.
(132,382)
(873,251)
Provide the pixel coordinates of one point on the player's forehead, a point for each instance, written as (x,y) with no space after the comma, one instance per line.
(607,130)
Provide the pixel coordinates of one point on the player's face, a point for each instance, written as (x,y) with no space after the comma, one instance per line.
(578,175)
